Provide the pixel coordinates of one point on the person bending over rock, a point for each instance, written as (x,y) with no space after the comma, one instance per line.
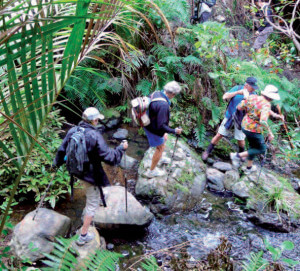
(158,129)
(235,96)
(258,109)
(94,177)
(265,29)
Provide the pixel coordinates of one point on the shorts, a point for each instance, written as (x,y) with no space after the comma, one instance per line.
(238,134)
(262,37)
(154,140)
(92,198)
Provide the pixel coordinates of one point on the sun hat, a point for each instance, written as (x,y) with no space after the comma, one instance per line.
(92,113)
(271,92)
(252,82)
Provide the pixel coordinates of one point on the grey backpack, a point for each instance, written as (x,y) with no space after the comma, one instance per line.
(77,160)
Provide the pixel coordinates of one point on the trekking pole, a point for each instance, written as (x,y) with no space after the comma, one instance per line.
(172,158)
(263,160)
(125,176)
(285,127)
(43,197)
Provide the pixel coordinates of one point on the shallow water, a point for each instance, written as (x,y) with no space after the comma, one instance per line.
(201,231)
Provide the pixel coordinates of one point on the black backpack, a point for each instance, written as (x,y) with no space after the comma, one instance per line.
(77,160)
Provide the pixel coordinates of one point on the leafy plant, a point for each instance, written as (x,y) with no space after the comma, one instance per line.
(150,264)
(255,262)
(63,257)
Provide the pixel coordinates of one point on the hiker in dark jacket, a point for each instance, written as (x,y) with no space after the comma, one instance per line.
(97,151)
(158,129)
(235,96)
(265,29)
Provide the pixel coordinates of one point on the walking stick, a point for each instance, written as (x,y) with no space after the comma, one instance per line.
(263,160)
(172,158)
(43,197)
(125,177)
(285,127)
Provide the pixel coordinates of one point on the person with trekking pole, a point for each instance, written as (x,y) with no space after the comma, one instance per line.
(83,149)
(258,109)
(233,118)
(158,129)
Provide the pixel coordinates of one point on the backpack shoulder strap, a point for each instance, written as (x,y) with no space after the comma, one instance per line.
(159,99)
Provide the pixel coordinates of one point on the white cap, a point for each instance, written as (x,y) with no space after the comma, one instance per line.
(92,113)
(271,92)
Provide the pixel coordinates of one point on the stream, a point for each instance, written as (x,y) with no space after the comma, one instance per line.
(202,231)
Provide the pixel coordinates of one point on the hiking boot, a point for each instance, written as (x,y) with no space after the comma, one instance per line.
(154,173)
(236,161)
(205,155)
(250,170)
(165,161)
(85,239)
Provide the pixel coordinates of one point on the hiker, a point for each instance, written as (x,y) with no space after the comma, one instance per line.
(94,177)
(202,11)
(258,109)
(235,96)
(158,129)
(265,29)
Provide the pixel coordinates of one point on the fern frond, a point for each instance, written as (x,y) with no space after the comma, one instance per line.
(63,256)
(255,262)
(150,264)
(102,260)
(144,87)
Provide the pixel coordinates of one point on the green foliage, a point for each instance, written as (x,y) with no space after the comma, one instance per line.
(63,256)
(91,87)
(150,264)
(255,262)
(36,177)
(102,260)
(172,9)
(144,87)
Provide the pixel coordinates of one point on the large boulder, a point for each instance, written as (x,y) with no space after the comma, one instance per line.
(32,238)
(231,177)
(184,187)
(222,166)
(115,216)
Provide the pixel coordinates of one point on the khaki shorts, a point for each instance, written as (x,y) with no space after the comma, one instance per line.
(92,198)
(238,134)
(262,37)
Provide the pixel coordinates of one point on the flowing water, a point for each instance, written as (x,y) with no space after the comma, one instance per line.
(201,232)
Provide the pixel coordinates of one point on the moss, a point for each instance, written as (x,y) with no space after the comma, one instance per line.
(186,177)
(180,187)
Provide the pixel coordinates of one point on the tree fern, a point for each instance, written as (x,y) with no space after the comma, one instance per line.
(63,256)
(144,87)
(102,260)
(161,51)
(200,132)
(255,262)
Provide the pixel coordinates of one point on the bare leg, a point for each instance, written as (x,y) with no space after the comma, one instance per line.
(244,154)
(241,143)
(249,163)
(157,155)
(86,223)
(216,139)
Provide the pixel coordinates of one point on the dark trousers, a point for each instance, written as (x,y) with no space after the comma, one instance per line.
(256,143)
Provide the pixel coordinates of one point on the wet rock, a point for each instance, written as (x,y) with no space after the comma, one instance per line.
(41,232)
(89,248)
(296,184)
(120,134)
(113,123)
(271,221)
(110,246)
(131,163)
(185,185)
(210,161)
(215,179)
(231,178)
(222,166)
(241,190)
(115,215)
(125,253)
(256,242)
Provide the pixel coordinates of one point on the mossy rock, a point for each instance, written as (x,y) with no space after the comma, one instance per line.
(111,113)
